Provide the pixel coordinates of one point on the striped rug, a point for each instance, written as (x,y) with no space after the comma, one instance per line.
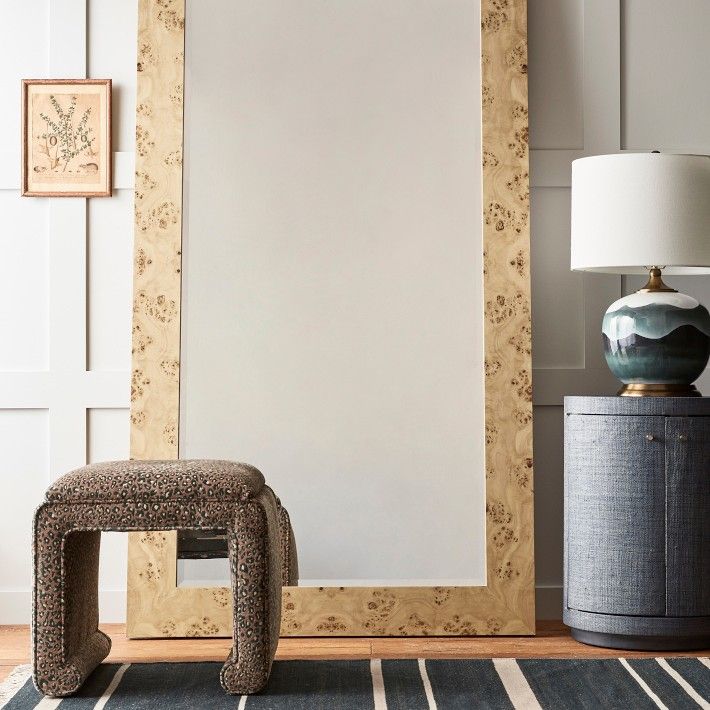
(390,685)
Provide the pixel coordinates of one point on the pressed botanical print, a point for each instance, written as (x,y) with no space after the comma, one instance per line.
(67,138)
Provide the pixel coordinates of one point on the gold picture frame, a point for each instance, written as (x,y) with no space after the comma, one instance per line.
(157,607)
(66,138)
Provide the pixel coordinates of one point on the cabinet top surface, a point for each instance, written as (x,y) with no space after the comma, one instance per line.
(658,406)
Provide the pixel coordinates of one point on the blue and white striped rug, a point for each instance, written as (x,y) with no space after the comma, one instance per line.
(390,685)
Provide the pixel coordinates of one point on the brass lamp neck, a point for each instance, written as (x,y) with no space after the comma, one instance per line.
(655,282)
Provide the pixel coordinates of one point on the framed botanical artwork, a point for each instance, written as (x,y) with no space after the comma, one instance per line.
(66,137)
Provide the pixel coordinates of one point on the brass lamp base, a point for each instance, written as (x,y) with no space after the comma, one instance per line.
(638,390)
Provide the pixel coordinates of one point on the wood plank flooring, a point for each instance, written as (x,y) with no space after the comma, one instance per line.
(552,641)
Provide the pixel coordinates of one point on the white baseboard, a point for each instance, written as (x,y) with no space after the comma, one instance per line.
(16,605)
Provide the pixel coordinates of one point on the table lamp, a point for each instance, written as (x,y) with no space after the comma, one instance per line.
(637,213)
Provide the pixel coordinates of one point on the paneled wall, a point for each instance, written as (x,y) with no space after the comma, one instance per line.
(605,75)
(65,288)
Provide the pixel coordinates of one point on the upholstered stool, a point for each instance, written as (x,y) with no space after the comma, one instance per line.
(155,495)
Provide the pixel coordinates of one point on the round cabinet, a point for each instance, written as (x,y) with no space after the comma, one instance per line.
(637,521)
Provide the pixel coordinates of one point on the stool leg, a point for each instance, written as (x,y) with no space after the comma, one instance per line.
(66,642)
(255,563)
(289,555)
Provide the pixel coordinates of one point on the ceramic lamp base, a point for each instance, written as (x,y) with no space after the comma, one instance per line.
(657,342)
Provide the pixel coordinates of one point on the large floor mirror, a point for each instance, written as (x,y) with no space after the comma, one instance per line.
(332,284)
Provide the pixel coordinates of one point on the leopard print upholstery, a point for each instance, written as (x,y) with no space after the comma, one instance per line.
(149,481)
(289,556)
(155,495)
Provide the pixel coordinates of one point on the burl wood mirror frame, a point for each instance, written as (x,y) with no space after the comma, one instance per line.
(157,607)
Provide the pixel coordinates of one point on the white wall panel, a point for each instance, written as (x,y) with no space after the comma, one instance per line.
(110,283)
(108,440)
(665,60)
(112,55)
(23,224)
(24,286)
(107,434)
(24,443)
(555,30)
(549,499)
(24,49)
(557,297)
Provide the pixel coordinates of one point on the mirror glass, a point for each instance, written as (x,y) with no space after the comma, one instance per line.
(332,315)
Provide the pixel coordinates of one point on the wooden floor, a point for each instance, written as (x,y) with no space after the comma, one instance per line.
(552,641)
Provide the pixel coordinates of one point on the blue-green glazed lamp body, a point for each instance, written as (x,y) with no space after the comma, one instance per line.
(657,341)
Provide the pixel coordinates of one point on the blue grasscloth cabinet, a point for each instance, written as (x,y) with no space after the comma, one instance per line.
(637,521)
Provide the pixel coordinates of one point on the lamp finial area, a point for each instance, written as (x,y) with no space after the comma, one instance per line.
(655,282)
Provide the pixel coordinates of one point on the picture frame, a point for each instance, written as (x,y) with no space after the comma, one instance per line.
(66,138)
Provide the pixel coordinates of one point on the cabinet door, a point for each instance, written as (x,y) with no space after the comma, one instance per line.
(688,516)
(615,514)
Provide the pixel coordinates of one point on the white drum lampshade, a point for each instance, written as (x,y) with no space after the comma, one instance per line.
(636,213)
(636,210)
